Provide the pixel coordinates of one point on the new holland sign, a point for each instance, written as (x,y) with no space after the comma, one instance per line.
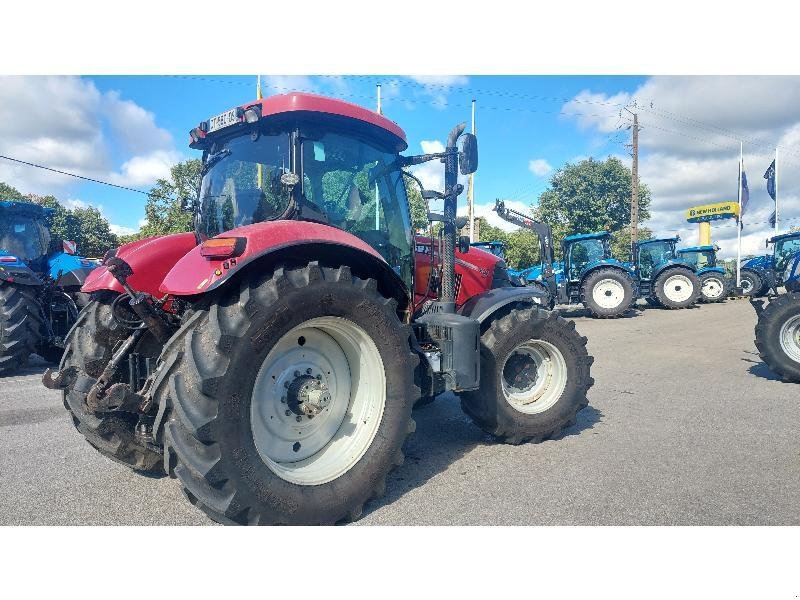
(712,212)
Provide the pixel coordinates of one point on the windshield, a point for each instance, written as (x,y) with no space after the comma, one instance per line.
(653,254)
(242,183)
(24,237)
(583,252)
(361,190)
(784,249)
(702,259)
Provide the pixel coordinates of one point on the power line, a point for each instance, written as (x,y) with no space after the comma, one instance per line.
(75,175)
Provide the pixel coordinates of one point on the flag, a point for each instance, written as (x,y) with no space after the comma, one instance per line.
(770,177)
(745,195)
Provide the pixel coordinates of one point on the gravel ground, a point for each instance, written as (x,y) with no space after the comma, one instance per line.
(685,426)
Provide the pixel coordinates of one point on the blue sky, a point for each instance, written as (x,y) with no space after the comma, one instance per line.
(128,129)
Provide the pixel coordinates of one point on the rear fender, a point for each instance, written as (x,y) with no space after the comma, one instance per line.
(606,264)
(483,306)
(283,242)
(669,265)
(150,258)
(719,270)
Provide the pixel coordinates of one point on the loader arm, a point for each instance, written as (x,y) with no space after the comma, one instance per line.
(545,233)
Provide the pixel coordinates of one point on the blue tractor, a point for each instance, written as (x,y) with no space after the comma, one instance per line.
(714,282)
(40,281)
(763,273)
(665,278)
(589,274)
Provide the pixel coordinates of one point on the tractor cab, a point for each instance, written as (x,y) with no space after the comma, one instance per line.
(702,258)
(784,248)
(763,273)
(304,157)
(651,256)
(665,277)
(24,235)
(583,251)
(496,248)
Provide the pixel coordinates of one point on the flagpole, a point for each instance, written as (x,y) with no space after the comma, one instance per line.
(739,224)
(776,191)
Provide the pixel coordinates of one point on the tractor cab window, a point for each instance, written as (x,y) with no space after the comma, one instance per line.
(242,183)
(583,252)
(785,249)
(703,259)
(24,237)
(652,255)
(361,190)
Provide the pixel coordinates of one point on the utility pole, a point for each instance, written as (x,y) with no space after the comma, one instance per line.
(378,110)
(635,183)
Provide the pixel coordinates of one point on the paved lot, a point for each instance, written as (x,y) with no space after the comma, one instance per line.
(685,426)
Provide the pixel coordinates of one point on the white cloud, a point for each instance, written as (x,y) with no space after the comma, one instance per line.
(437,87)
(121,230)
(73,203)
(64,123)
(431,173)
(540,167)
(689,148)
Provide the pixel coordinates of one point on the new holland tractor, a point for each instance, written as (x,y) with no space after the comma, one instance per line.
(714,283)
(40,281)
(764,273)
(270,359)
(589,275)
(665,279)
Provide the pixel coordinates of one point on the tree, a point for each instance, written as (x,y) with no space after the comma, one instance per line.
(621,242)
(10,193)
(417,205)
(590,196)
(522,245)
(164,208)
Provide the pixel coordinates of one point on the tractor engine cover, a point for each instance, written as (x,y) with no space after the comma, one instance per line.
(458,338)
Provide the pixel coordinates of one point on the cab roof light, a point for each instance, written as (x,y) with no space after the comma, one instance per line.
(227,247)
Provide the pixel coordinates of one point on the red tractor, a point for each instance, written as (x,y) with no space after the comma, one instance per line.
(271,359)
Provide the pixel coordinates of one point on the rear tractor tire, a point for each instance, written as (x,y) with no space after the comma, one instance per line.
(751,284)
(534,377)
(778,336)
(677,288)
(21,326)
(89,346)
(288,398)
(608,293)
(713,288)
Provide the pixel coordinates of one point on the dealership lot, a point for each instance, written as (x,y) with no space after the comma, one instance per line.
(686,426)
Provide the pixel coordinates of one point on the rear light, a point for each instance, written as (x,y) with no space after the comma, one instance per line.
(223,247)
(8,259)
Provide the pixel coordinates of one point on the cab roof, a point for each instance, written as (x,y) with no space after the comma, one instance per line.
(677,238)
(784,236)
(587,236)
(28,208)
(697,249)
(301,102)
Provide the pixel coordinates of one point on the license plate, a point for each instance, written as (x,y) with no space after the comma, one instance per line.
(226,119)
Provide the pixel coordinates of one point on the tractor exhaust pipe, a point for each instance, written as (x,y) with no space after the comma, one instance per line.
(451,192)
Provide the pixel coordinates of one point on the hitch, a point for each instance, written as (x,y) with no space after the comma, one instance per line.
(140,303)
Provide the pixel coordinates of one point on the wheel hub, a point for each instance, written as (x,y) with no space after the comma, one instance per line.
(534,376)
(307,395)
(608,293)
(678,288)
(712,287)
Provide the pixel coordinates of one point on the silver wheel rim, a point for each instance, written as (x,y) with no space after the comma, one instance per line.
(318,401)
(534,377)
(712,288)
(678,288)
(790,338)
(747,285)
(608,293)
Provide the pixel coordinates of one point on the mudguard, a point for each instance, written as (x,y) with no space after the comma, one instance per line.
(719,270)
(195,274)
(69,270)
(17,272)
(605,263)
(484,305)
(150,258)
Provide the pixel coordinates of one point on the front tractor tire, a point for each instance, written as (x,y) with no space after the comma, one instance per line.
(89,346)
(534,377)
(21,326)
(288,398)
(677,288)
(751,284)
(778,336)
(608,293)
(713,288)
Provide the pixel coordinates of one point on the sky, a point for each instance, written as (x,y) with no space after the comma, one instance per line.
(128,130)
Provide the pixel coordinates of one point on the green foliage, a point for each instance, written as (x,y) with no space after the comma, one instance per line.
(621,242)
(163,209)
(417,205)
(522,245)
(590,196)
(10,193)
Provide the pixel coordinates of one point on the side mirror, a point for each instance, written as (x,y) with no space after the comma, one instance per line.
(463,244)
(468,157)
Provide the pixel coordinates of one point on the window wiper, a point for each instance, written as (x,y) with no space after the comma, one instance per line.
(214,159)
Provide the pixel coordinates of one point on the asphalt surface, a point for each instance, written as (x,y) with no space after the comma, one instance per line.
(685,426)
